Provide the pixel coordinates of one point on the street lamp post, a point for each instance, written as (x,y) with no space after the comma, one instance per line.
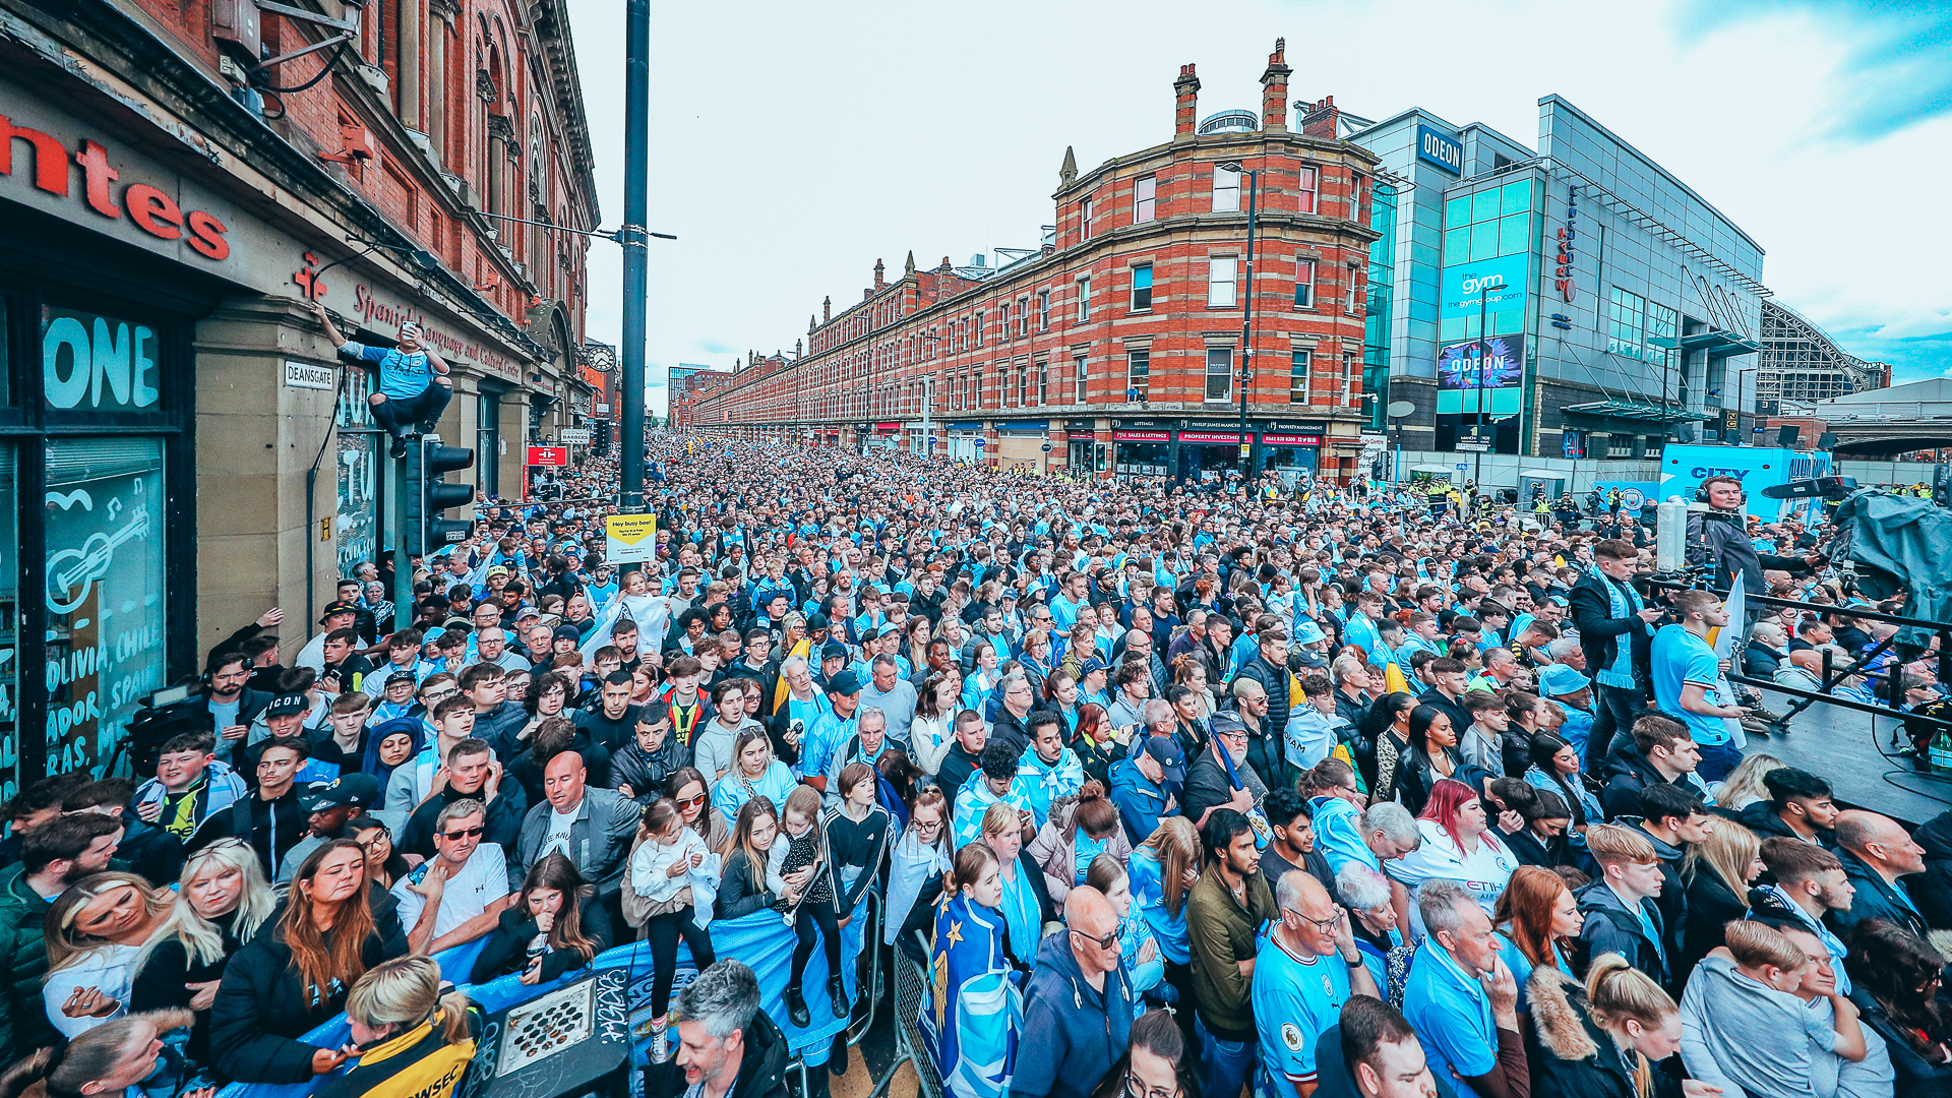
(1247,314)
(637,160)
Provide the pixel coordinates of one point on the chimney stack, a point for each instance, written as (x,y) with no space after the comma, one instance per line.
(1274,90)
(1186,100)
(827,310)
(1321,119)
(879,272)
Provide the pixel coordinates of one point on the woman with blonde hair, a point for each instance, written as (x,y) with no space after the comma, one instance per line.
(1717,872)
(182,963)
(1604,1038)
(225,883)
(409,1039)
(295,974)
(1743,786)
(110,1059)
(1162,872)
(96,931)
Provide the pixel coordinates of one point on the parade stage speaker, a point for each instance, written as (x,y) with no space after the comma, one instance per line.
(571,1041)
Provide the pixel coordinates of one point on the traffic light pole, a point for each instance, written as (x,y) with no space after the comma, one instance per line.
(406,491)
(632,235)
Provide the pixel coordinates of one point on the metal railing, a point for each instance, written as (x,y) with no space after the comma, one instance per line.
(1833,675)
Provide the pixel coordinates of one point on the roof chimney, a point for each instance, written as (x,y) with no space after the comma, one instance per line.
(827,310)
(1186,98)
(1274,90)
(879,272)
(1322,119)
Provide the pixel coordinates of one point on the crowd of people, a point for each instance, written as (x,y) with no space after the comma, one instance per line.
(1172,790)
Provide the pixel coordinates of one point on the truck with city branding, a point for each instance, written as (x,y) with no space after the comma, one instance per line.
(1684,467)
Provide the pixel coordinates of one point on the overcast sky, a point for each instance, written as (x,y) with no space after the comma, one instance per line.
(793,144)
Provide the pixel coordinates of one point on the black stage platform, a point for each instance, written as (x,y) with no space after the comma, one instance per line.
(1849,749)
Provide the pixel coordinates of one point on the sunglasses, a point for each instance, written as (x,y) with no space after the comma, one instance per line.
(692,802)
(1109,941)
(466,833)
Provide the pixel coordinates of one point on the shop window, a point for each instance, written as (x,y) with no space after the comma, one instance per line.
(106,535)
(1142,288)
(1220,277)
(92,363)
(488,435)
(9,623)
(1219,375)
(1226,190)
(1298,377)
(1145,194)
(1304,283)
(1138,376)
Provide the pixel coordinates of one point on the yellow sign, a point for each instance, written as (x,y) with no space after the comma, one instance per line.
(629,538)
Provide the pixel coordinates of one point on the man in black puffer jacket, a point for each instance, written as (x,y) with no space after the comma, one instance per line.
(1269,668)
(1932,889)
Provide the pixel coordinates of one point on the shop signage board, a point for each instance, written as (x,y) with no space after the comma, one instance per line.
(1210,437)
(573,434)
(1142,436)
(1440,149)
(549,455)
(1291,440)
(629,538)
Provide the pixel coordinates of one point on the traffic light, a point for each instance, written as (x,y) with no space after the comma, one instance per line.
(438,460)
(427,495)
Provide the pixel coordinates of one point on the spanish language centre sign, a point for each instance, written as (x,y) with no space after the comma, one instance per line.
(548,455)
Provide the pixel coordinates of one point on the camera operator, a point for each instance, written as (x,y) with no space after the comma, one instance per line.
(1718,539)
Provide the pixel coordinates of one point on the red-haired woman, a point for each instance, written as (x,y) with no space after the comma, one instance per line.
(295,974)
(1538,924)
(1458,845)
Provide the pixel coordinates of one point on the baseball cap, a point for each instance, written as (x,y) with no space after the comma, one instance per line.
(286,705)
(498,570)
(356,789)
(844,684)
(833,650)
(887,628)
(527,612)
(1093,664)
(339,607)
(1558,679)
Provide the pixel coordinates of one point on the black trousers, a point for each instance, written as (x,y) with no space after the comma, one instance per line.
(810,916)
(1616,708)
(663,932)
(398,414)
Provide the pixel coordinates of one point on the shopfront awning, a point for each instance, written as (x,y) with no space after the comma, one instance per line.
(1720,343)
(1629,408)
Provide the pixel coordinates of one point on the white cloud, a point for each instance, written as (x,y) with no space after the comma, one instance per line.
(793,145)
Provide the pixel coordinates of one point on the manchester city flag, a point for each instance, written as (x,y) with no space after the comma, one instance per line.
(971,1020)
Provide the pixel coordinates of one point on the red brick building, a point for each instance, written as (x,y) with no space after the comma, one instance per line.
(179,179)
(1120,340)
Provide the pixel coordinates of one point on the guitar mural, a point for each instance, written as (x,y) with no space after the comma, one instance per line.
(72,573)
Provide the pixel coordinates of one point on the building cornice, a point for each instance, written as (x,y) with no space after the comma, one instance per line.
(103,47)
